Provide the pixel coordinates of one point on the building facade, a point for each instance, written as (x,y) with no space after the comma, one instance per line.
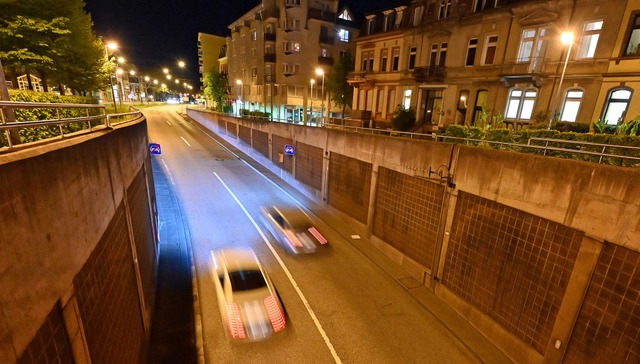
(275,49)
(466,62)
(209,50)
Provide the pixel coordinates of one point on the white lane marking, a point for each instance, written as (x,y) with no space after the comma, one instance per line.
(250,166)
(167,120)
(185,140)
(168,171)
(286,271)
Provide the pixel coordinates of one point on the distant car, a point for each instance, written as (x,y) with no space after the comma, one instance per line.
(249,304)
(293,229)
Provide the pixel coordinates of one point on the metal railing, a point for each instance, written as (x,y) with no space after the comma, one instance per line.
(545,149)
(9,109)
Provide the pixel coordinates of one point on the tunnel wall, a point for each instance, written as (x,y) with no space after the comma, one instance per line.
(78,220)
(540,254)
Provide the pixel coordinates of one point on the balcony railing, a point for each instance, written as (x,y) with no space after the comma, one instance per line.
(325,61)
(270,37)
(326,39)
(429,74)
(356,77)
(322,15)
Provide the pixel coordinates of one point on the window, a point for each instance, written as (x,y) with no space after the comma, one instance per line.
(367,61)
(590,37)
(412,58)
(293,2)
(417,16)
(490,50)
(471,51)
(388,20)
(444,9)
(616,106)
(324,52)
(399,12)
(292,24)
(395,62)
(291,47)
(634,36)
(533,47)
(254,34)
(380,101)
(438,54)
(520,104)
(384,54)
(571,105)
(345,15)
(406,100)
(391,100)
(479,5)
(343,35)
(253,53)
(371,21)
(254,72)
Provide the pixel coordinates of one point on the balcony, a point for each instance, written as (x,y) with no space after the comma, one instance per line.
(360,79)
(529,69)
(318,14)
(325,61)
(272,12)
(430,74)
(270,57)
(270,37)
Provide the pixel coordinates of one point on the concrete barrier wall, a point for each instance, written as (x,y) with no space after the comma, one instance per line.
(538,253)
(57,201)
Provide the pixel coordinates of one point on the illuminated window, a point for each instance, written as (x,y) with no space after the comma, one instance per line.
(406,100)
(590,37)
(345,15)
(343,35)
(520,104)
(571,105)
(616,106)
(632,45)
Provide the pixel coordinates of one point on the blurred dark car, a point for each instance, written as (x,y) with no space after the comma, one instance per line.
(293,229)
(249,304)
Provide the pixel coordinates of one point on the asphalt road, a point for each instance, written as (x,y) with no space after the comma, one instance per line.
(342,307)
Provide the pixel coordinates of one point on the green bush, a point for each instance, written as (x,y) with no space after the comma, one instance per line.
(33,114)
(403,119)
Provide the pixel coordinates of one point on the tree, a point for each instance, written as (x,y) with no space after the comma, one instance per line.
(403,119)
(337,85)
(215,87)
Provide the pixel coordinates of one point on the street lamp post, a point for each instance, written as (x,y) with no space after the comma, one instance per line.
(111,46)
(321,72)
(239,82)
(311,100)
(566,38)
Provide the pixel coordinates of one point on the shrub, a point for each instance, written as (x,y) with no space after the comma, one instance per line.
(403,119)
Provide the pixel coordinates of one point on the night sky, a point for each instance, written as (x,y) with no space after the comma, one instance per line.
(156,34)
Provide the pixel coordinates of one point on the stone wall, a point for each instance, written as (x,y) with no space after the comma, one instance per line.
(78,247)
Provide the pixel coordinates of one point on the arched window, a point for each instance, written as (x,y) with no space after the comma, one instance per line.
(616,106)
(571,104)
(520,103)
(481,100)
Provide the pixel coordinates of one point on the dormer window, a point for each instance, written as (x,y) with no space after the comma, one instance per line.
(345,15)
(371,21)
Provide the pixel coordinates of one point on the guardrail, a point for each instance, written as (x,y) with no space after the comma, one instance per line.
(95,116)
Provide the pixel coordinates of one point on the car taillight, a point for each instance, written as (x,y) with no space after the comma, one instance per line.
(234,323)
(317,235)
(275,313)
(293,238)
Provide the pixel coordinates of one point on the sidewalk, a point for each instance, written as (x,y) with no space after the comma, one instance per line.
(172,328)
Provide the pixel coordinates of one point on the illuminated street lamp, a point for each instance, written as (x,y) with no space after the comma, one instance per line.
(181,64)
(566,38)
(165,70)
(319,72)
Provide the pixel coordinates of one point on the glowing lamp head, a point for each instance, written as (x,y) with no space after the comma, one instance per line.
(566,38)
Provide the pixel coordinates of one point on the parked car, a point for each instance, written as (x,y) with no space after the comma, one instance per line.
(249,304)
(293,229)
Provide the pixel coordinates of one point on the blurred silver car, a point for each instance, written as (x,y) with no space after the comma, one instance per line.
(249,304)
(293,229)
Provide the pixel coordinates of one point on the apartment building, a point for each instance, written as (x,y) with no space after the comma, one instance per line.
(209,52)
(457,62)
(274,50)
